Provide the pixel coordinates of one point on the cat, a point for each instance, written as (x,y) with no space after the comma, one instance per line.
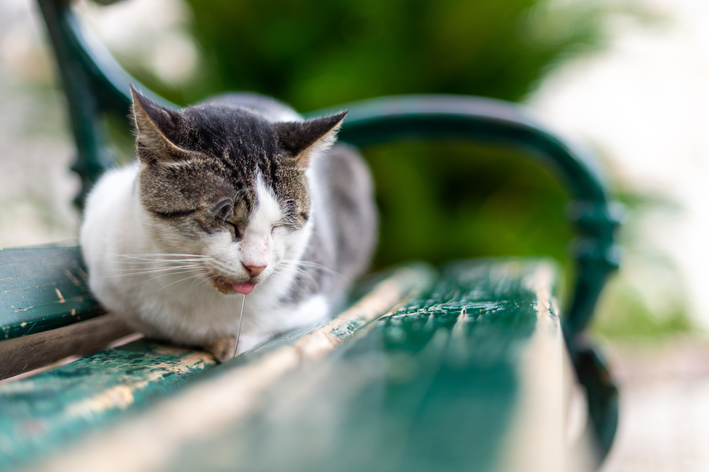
(236,199)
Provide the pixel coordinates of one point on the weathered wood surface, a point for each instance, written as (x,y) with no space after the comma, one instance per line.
(453,381)
(467,376)
(45,412)
(65,403)
(26,353)
(43,289)
(47,311)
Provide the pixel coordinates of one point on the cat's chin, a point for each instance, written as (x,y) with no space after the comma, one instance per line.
(226,287)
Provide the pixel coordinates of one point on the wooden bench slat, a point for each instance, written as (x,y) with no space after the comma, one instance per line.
(67,402)
(43,289)
(47,411)
(442,383)
(432,386)
(47,311)
(30,352)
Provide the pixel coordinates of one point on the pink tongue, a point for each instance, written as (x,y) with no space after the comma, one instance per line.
(243,288)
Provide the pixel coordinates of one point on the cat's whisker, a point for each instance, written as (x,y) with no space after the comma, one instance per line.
(302,290)
(165,270)
(164,275)
(159,255)
(159,261)
(312,265)
(222,210)
(214,294)
(161,265)
(178,281)
(293,267)
(199,281)
(221,267)
(307,274)
(158,264)
(127,267)
(144,282)
(243,190)
(201,277)
(301,262)
(204,277)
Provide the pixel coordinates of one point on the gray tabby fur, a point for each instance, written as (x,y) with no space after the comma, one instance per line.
(238,193)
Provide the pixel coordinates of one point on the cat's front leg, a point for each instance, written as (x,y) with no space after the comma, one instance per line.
(223,349)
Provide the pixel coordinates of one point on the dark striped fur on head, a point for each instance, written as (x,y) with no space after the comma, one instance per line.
(199,164)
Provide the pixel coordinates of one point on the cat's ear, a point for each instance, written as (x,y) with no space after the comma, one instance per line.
(156,127)
(303,139)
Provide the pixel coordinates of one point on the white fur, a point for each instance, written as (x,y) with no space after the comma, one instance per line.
(133,272)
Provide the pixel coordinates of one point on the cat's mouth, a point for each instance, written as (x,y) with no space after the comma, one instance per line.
(224,286)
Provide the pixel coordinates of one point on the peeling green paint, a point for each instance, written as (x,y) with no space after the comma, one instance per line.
(431,387)
(43,289)
(50,410)
(346,329)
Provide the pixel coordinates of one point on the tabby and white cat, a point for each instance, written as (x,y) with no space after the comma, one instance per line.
(235,197)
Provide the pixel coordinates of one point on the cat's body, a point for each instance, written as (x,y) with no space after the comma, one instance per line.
(235,197)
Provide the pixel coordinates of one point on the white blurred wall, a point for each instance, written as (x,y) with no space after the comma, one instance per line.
(36,147)
(644,105)
(36,186)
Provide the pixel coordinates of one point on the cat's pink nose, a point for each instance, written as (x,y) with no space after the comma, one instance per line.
(253,270)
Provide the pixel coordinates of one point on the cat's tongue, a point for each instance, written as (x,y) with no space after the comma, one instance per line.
(244,288)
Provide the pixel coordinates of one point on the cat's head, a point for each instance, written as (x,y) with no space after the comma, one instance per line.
(228,186)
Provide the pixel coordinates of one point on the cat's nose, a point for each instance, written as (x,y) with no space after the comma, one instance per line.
(253,270)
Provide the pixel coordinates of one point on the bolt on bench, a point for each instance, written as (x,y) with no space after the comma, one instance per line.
(472,366)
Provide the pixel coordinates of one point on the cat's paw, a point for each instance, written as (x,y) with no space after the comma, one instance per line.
(222,349)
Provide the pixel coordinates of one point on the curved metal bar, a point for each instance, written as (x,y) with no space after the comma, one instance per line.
(483,119)
(94,83)
(602,395)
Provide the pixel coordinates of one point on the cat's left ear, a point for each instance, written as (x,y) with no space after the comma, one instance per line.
(303,139)
(156,128)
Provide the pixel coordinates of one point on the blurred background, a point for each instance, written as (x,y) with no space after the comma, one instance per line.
(625,79)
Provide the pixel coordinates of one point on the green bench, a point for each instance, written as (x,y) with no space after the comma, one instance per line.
(469,367)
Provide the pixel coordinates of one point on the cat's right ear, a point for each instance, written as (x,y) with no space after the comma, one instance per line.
(156,128)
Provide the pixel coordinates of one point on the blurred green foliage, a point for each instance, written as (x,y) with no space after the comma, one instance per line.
(623,313)
(438,201)
(317,53)
(449,200)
